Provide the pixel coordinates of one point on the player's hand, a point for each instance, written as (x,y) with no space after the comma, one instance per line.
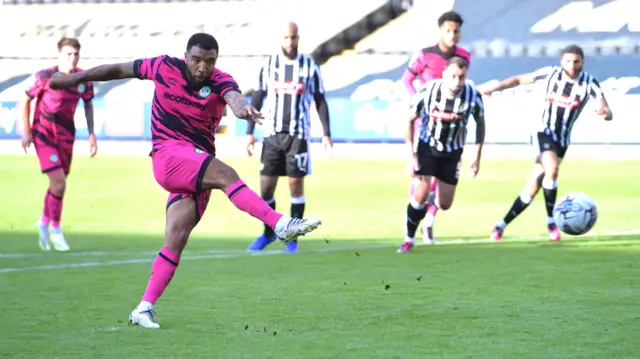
(61,80)
(250,113)
(93,145)
(601,112)
(251,142)
(327,143)
(27,140)
(475,168)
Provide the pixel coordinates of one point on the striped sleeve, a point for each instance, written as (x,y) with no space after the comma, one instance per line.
(543,73)
(595,91)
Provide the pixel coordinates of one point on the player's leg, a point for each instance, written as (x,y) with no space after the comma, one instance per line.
(272,165)
(183,213)
(53,163)
(432,209)
(415,211)
(298,165)
(534,183)
(447,171)
(551,163)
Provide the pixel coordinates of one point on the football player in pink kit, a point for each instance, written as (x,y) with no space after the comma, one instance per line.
(53,134)
(426,65)
(189,99)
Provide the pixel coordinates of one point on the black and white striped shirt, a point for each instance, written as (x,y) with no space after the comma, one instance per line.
(290,86)
(564,100)
(444,118)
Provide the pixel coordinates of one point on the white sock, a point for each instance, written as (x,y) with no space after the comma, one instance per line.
(409,239)
(550,220)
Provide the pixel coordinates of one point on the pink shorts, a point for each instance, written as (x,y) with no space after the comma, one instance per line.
(179,167)
(53,158)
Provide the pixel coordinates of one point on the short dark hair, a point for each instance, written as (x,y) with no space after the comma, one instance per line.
(573,49)
(461,62)
(450,16)
(203,41)
(68,41)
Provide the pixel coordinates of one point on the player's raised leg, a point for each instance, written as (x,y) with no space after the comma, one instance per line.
(182,217)
(534,183)
(550,162)
(218,175)
(267,188)
(415,212)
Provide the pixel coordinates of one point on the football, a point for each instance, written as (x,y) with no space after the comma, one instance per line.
(575,213)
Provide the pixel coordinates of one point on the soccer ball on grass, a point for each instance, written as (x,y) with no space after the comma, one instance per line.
(575,213)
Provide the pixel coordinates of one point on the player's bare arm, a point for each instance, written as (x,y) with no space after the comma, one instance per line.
(410,130)
(25,107)
(480,133)
(511,82)
(241,107)
(88,113)
(604,110)
(107,72)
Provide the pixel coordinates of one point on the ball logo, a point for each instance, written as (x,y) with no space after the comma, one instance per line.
(205,91)
(82,88)
(53,158)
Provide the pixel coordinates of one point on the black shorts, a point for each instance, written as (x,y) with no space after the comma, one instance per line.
(543,141)
(443,166)
(285,155)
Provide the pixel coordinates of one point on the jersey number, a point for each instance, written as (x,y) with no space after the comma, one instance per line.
(302,161)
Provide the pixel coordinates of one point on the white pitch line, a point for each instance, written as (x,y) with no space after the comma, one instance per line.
(238,254)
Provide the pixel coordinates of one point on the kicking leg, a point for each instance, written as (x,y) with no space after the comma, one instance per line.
(182,217)
(296,187)
(522,202)
(550,162)
(415,212)
(218,175)
(267,189)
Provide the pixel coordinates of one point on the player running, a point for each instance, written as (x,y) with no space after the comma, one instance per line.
(190,95)
(427,64)
(289,82)
(566,89)
(53,135)
(445,106)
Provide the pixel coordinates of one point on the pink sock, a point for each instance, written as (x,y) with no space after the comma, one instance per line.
(433,185)
(432,209)
(162,270)
(45,211)
(54,203)
(248,201)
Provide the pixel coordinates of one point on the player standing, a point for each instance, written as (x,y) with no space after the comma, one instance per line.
(566,89)
(445,106)
(53,135)
(289,82)
(427,64)
(189,98)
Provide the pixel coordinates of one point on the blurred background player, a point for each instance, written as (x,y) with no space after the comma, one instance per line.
(567,90)
(288,82)
(53,135)
(427,64)
(190,95)
(445,106)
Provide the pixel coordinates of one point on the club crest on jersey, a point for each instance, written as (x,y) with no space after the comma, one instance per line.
(204,92)
(199,151)
(82,88)
(53,158)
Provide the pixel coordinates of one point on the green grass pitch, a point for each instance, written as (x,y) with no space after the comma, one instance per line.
(347,295)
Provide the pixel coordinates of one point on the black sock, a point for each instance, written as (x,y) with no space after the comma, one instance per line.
(550,195)
(518,207)
(268,231)
(414,216)
(297,209)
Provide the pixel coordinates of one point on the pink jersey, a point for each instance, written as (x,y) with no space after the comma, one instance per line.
(180,111)
(53,118)
(427,64)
